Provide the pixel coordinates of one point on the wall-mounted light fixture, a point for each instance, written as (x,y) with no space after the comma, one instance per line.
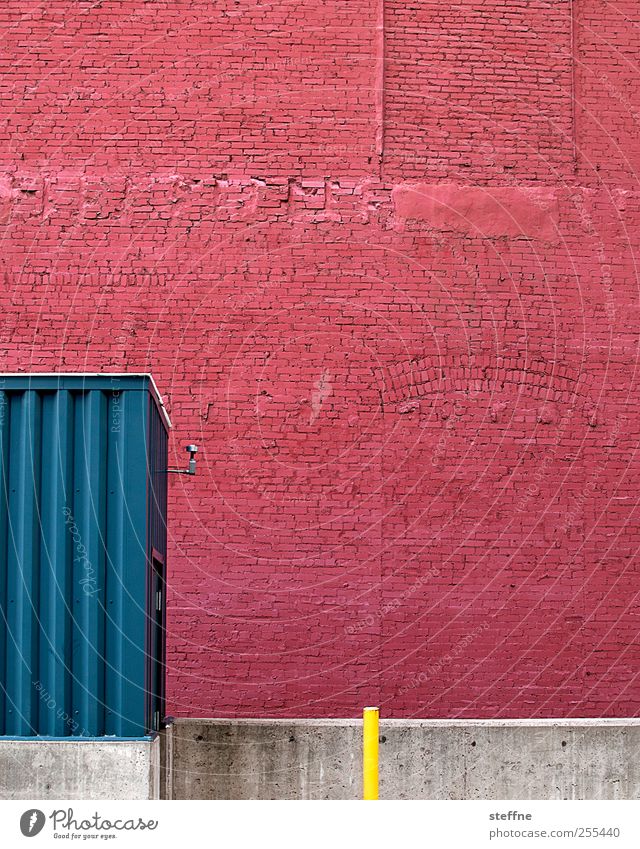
(193,450)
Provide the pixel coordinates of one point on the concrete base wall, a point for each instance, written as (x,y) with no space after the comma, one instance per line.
(80,769)
(419,759)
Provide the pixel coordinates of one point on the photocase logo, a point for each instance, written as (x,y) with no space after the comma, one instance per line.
(32,822)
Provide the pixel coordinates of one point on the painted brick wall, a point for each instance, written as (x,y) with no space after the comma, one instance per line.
(381,259)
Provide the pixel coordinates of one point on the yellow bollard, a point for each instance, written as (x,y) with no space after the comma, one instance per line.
(370,752)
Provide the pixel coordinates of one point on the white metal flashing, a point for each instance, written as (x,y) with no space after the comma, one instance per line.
(156,393)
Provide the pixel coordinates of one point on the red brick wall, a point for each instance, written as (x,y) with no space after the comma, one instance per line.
(381,259)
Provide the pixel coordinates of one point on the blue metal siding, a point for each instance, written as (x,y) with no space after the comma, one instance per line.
(115,684)
(4,542)
(89,517)
(156,555)
(133,568)
(56,561)
(74,541)
(158,452)
(23,562)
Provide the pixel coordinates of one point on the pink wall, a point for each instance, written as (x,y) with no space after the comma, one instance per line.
(382,263)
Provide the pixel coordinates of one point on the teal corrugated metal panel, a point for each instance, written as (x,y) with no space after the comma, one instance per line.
(117,480)
(4,513)
(75,553)
(158,442)
(89,516)
(23,565)
(156,633)
(135,574)
(127,576)
(56,558)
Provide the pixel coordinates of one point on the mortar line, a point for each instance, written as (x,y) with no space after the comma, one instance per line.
(379,87)
(574,82)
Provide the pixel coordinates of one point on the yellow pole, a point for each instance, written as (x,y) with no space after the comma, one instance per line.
(370,752)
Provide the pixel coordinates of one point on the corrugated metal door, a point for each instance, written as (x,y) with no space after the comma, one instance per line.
(74,543)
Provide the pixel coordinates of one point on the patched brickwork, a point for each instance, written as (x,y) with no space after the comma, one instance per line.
(381,260)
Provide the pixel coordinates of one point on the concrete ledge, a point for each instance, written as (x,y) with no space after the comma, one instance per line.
(80,769)
(419,759)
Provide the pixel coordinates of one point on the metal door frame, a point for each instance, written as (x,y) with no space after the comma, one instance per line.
(156,642)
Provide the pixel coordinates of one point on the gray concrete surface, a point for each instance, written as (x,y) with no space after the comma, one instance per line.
(80,769)
(419,759)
